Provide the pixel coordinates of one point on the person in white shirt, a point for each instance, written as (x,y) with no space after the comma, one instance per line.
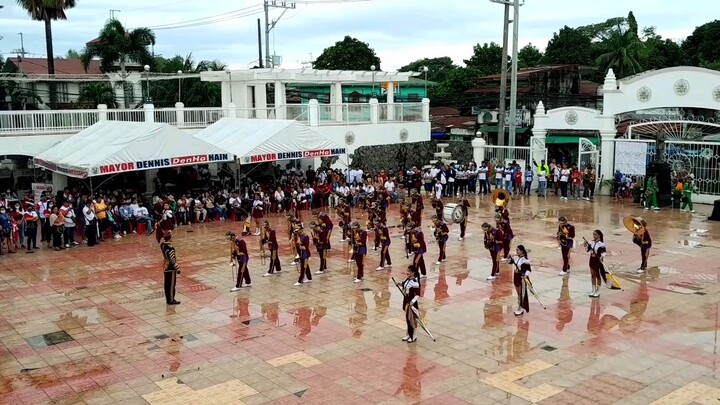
(390,187)
(141,214)
(369,188)
(482,172)
(279,197)
(359,176)
(438,190)
(564,179)
(499,173)
(542,180)
(91,228)
(69,214)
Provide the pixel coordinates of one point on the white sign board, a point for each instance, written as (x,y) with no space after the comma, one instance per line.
(631,157)
(39,188)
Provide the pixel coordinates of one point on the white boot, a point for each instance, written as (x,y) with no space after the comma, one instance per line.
(520,311)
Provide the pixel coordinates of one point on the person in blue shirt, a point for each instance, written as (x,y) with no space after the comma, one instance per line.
(509,177)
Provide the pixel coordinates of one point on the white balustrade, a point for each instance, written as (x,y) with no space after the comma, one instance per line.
(71,121)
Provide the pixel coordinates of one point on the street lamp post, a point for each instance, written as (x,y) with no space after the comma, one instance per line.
(179,72)
(374,95)
(425,70)
(229,73)
(148,100)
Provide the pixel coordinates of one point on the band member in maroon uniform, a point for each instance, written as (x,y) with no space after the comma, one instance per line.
(327,225)
(522,271)
(439,206)
(493,243)
(441,235)
(411,293)
(417,239)
(404,216)
(302,244)
(503,211)
(381,215)
(319,237)
(645,243)
(170,268)
(566,239)
(239,257)
(597,252)
(271,239)
(419,207)
(346,219)
(464,206)
(360,237)
(508,236)
(384,233)
(167,223)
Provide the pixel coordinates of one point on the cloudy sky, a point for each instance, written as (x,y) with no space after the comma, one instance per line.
(400,31)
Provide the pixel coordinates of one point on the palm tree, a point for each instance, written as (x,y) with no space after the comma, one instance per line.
(98,93)
(115,44)
(47,11)
(623,50)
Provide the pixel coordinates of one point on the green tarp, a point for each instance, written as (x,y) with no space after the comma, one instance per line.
(568,139)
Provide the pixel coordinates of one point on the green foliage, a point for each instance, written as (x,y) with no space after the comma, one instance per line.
(348,54)
(72,54)
(701,47)
(456,83)
(486,59)
(529,56)
(393,158)
(568,46)
(97,93)
(117,45)
(438,68)
(622,50)
(192,91)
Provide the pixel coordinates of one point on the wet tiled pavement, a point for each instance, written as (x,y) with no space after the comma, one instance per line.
(90,325)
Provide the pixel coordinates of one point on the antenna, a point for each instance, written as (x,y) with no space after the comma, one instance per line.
(112,13)
(21,52)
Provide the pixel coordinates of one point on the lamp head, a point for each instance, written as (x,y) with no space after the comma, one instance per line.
(179,72)
(147,68)
(425,69)
(373,68)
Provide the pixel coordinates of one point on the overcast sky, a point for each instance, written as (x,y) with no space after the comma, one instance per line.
(400,31)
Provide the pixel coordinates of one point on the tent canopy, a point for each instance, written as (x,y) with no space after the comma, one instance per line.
(110,147)
(256,141)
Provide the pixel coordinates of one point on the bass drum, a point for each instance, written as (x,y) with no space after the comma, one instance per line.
(453,213)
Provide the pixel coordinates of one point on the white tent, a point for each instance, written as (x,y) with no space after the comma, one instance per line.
(255,141)
(111,147)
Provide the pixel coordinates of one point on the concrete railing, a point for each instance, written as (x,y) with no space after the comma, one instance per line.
(313,113)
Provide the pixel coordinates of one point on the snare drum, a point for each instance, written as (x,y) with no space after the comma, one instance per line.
(453,213)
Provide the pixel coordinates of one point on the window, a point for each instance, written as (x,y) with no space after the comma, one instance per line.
(62,92)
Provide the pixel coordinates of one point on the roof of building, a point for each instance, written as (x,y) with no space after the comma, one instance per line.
(38,66)
(444,112)
(524,73)
(442,123)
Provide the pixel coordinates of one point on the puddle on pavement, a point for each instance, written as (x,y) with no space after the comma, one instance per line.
(84,317)
(689,244)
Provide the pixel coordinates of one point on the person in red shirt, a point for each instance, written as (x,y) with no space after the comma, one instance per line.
(518,181)
(576,182)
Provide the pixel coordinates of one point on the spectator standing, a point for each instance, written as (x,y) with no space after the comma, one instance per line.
(91,226)
(69,214)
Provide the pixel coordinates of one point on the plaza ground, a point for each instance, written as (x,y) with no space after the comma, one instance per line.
(90,325)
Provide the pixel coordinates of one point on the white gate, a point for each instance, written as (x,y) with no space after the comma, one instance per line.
(589,155)
(538,151)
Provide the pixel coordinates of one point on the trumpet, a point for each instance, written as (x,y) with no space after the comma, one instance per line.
(562,238)
(489,240)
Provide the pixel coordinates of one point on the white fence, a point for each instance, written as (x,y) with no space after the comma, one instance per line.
(701,159)
(69,121)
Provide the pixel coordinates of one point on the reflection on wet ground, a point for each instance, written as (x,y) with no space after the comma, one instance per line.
(90,325)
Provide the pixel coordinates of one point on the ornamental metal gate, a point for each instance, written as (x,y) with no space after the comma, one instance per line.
(589,155)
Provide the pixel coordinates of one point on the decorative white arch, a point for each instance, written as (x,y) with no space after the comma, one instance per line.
(683,86)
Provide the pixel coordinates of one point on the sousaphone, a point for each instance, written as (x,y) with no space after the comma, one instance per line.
(636,225)
(500,197)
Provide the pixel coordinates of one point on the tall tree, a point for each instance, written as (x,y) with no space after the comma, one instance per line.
(568,47)
(701,47)
(115,44)
(660,53)
(529,56)
(455,84)
(72,54)
(47,11)
(98,93)
(348,54)
(623,50)
(486,59)
(438,68)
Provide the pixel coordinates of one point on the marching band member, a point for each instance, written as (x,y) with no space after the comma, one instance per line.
(327,225)
(522,270)
(411,293)
(404,216)
(417,240)
(319,237)
(384,233)
(170,267)
(439,206)
(302,244)
(565,236)
(345,213)
(271,239)
(507,233)
(504,212)
(645,243)
(381,215)
(493,243)
(257,212)
(419,207)
(441,235)
(239,257)
(464,205)
(597,252)
(360,238)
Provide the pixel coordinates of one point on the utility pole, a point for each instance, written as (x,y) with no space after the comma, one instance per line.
(503,77)
(21,52)
(260,58)
(112,14)
(269,25)
(514,72)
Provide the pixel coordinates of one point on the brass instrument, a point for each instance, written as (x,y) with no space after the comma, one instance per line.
(489,239)
(500,197)
(636,225)
(562,238)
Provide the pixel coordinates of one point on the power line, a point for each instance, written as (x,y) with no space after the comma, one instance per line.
(242,12)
